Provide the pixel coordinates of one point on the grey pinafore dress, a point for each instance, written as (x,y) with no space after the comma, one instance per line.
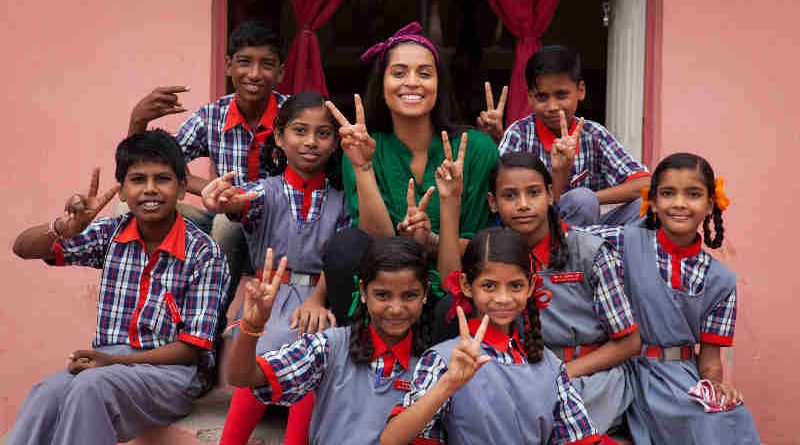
(662,412)
(303,246)
(503,404)
(570,320)
(353,404)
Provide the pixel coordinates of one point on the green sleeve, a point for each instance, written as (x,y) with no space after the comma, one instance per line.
(481,157)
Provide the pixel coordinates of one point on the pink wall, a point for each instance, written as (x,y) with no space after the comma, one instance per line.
(73,72)
(728,72)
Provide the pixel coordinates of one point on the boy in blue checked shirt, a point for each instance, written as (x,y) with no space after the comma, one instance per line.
(161,286)
(231,131)
(597,171)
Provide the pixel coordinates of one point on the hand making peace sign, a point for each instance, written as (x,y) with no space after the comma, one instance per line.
(259,295)
(416,223)
(491,120)
(357,144)
(80,210)
(450,175)
(466,358)
(221,196)
(562,156)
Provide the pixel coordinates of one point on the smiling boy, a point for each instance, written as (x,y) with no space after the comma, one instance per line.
(598,171)
(161,288)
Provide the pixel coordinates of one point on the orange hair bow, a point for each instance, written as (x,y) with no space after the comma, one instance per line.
(645,200)
(720,197)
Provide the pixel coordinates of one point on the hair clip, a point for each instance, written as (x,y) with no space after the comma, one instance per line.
(720,197)
(645,192)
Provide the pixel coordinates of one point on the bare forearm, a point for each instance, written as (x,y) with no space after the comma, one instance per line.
(241,369)
(175,353)
(607,356)
(407,425)
(137,126)
(624,192)
(560,182)
(449,244)
(373,218)
(709,362)
(196,184)
(320,292)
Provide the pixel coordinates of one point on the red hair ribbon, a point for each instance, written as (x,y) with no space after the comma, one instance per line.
(453,284)
(645,200)
(720,197)
(408,33)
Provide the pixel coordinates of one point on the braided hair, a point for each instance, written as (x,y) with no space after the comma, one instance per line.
(390,255)
(689,161)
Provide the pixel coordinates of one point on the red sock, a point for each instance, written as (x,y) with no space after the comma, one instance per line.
(299,421)
(243,416)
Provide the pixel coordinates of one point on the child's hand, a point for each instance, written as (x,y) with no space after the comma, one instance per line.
(491,120)
(562,156)
(84,359)
(221,196)
(311,317)
(450,175)
(726,395)
(466,358)
(259,295)
(161,102)
(80,210)
(357,144)
(416,223)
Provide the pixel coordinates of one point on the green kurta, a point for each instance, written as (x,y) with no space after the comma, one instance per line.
(392,166)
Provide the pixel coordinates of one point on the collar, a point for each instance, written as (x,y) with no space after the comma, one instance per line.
(494,337)
(548,137)
(174,243)
(316,182)
(541,252)
(235,117)
(676,251)
(401,351)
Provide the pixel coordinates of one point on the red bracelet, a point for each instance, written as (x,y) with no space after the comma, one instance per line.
(242,328)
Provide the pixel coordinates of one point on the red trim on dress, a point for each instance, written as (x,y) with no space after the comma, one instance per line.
(676,254)
(637,175)
(401,351)
(588,440)
(306,186)
(196,341)
(272,379)
(714,339)
(625,332)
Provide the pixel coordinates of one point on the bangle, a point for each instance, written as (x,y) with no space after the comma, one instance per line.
(244,329)
(366,167)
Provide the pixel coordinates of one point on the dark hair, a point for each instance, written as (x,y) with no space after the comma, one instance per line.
(273,159)
(559,252)
(255,33)
(501,245)
(689,161)
(377,113)
(555,59)
(392,254)
(152,146)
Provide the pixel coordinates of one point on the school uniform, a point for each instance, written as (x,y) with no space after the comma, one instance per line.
(681,296)
(588,308)
(352,400)
(296,218)
(145,302)
(600,162)
(508,400)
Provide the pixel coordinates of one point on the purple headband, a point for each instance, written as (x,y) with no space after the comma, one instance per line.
(408,33)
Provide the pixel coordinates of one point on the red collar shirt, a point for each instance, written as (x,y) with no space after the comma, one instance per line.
(147,302)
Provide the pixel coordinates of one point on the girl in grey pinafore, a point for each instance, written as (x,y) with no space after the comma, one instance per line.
(662,412)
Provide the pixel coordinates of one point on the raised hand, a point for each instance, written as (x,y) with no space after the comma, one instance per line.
(450,175)
(491,120)
(260,294)
(466,358)
(161,102)
(221,196)
(357,144)
(562,155)
(80,210)
(416,223)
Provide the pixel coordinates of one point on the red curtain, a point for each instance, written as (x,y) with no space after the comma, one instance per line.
(527,20)
(303,67)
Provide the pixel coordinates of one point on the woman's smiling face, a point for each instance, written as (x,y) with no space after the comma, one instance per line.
(411,81)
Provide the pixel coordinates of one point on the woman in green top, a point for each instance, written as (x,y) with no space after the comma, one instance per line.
(407,108)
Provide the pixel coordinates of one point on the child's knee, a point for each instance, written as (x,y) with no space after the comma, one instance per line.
(579,207)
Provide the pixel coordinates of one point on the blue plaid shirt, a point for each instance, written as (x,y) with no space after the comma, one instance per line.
(600,163)
(218,131)
(174,294)
(718,326)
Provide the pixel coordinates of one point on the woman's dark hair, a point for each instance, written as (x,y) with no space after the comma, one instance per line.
(689,161)
(390,255)
(559,252)
(255,33)
(152,145)
(273,159)
(377,113)
(554,59)
(501,245)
